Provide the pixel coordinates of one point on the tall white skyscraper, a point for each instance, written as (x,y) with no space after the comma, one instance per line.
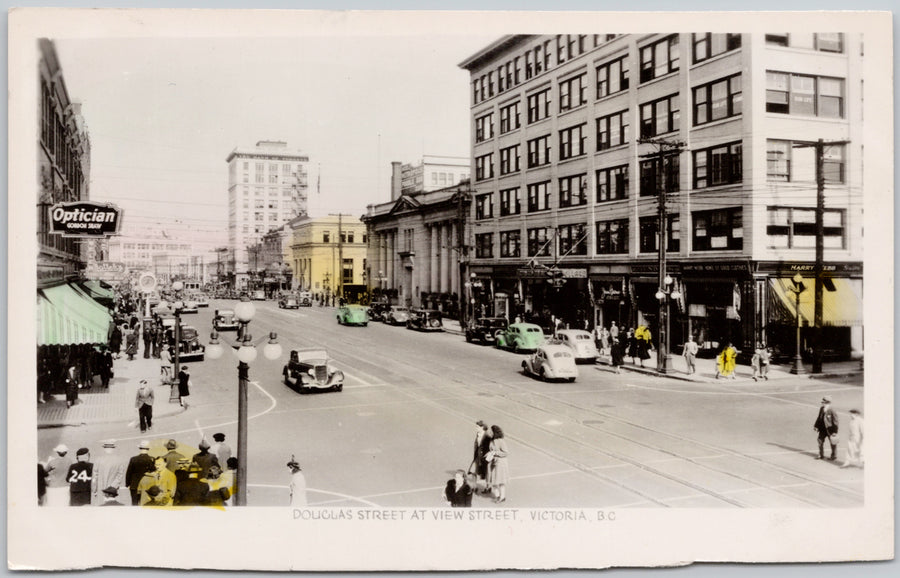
(267,186)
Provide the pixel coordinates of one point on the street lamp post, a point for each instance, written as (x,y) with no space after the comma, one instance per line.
(664,361)
(246,353)
(798,288)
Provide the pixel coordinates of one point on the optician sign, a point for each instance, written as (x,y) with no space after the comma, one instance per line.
(85,219)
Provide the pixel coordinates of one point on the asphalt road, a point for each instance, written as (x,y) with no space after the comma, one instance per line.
(405,421)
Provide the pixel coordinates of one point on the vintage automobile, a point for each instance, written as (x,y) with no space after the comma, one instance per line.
(352,315)
(311,370)
(224,320)
(258,295)
(551,361)
(396,315)
(425,320)
(378,310)
(305,299)
(521,337)
(189,346)
(486,329)
(202,300)
(288,302)
(580,342)
(189,306)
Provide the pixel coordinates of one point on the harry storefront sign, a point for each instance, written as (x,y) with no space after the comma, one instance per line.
(85,219)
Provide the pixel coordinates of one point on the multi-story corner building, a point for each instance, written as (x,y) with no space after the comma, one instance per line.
(566,131)
(267,268)
(267,187)
(327,255)
(416,245)
(432,173)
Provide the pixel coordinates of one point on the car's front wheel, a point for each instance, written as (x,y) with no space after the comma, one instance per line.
(543,375)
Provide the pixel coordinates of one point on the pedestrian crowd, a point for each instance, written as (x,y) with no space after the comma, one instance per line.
(202,478)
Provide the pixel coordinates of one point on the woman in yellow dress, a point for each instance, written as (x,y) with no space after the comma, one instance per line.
(726,362)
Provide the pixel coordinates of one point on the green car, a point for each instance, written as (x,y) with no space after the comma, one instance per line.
(352,315)
(521,337)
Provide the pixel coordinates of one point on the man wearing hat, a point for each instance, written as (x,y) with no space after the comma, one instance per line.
(827,426)
(144,403)
(57,467)
(80,476)
(204,458)
(109,470)
(298,484)
(221,449)
(481,447)
(111,497)
(138,466)
(158,486)
(172,457)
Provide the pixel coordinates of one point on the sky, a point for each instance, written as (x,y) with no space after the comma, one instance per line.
(164,113)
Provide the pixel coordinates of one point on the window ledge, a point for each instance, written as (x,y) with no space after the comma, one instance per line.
(717,122)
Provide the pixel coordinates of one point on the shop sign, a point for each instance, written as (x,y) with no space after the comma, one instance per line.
(653,268)
(85,219)
(707,268)
(106,267)
(573,273)
(790,268)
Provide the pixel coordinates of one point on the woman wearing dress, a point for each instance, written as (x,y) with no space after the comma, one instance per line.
(499,474)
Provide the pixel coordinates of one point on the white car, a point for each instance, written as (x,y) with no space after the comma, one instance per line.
(581,343)
(551,361)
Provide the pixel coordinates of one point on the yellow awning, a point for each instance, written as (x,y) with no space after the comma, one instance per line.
(841,300)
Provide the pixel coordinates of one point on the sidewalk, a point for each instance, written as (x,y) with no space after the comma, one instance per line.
(116,403)
(706,368)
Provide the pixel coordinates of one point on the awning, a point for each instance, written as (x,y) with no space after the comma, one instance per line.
(67,315)
(841,301)
(99,292)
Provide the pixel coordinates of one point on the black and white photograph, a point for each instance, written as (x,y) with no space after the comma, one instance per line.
(449,290)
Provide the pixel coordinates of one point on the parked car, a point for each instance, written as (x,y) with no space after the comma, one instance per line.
(425,320)
(396,315)
(581,343)
(486,329)
(378,311)
(189,346)
(521,337)
(305,299)
(551,361)
(352,315)
(311,370)
(288,302)
(224,320)
(258,295)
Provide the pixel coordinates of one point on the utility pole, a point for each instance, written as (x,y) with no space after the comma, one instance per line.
(341,254)
(665,149)
(461,198)
(818,322)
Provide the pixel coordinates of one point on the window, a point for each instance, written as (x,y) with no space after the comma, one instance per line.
(719,165)
(537,243)
(350,236)
(649,234)
(571,93)
(539,197)
(792,227)
(260,178)
(708,45)
(484,127)
(509,118)
(484,206)
(777,39)
(259,216)
(259,204)
(660,116)
(612,184)
(573,239)
(273,204)
(510,202)
(484,167)
(509,160)
(538,106)
(796,162)
(510,243)
(286,170)
(829,42)
(326,236)
(718,230)
(573,191)
(539,151)
(612,130)
(717,100)
(484,245)
(612,77)
(490,89)
(529,65)
(659,58)
(804,95)
(823,42)
(612,237)
(347,271)
(260,167)
(650,178)
(572,142)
